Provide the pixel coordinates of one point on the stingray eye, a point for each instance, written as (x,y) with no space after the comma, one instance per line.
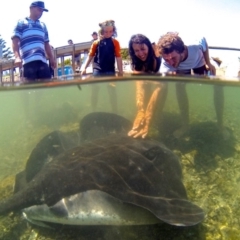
(151,153)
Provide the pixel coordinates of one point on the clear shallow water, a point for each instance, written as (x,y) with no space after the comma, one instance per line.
(210,164)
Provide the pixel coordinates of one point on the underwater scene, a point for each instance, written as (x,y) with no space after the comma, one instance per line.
(70,170)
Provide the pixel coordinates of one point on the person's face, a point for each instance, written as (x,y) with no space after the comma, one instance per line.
(141,51)
(95,36)
(173,58)
(107,31)
(36,12)
(70,42)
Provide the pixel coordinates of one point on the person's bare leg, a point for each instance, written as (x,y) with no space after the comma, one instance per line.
(184,109)
(94,97)
(113,97)
(219,107)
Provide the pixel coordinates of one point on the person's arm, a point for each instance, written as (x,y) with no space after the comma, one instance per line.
(88,60)
(143,119)
(149,112)
(117,51)
(15,47)
(139,119)
(49,53)
(119,66)
(17,33)
(48,48)
(140,95)
(211,67)
(91,54)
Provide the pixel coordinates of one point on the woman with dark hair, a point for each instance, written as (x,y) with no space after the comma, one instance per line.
(145,60)
(143,57)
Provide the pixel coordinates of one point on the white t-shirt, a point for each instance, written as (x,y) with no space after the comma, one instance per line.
(195,58)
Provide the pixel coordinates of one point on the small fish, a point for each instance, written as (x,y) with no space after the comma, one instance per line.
(55,146)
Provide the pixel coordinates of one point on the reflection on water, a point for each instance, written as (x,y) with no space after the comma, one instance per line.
(210,164)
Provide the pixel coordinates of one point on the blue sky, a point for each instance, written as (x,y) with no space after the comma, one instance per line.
(217,20)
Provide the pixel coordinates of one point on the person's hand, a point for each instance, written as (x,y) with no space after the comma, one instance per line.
(18,62)
(53,63)
(120,74)
(211,68)
(143,119)
(165,74)
(84,72)
(140,126)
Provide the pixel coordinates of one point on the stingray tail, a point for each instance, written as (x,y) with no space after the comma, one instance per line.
(19,200)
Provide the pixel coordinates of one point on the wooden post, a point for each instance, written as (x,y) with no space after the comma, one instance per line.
(73,58)
(12,72)
(1,71)
(55,58)
(62,66)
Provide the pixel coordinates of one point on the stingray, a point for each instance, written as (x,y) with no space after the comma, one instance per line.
(92,126)
(136,178)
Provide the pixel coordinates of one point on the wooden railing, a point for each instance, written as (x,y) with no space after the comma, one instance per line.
(70,50)
(59,53)
(224,48)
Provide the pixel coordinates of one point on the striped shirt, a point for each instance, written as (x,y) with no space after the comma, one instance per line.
(32,35)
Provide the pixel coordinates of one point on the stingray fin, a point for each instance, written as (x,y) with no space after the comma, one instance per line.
(20,181)
(35,222)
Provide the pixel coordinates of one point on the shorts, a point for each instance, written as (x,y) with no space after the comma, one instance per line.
(77,59)
(200,71)
(36,70)
(97,73)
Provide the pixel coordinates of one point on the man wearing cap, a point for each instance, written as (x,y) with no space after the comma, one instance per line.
(30,45)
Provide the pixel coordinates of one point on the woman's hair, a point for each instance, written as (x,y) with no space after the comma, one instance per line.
(170,42)
(107,23)
(138,64)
